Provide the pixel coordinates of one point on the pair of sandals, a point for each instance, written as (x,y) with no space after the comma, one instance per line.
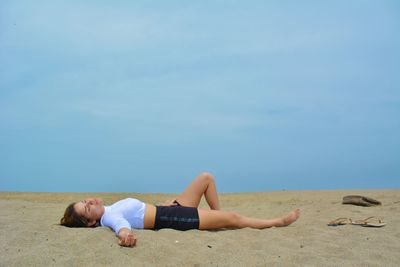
(368,222)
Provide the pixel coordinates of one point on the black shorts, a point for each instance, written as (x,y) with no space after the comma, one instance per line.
(176,217)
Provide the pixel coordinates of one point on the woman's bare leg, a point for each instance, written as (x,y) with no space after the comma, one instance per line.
(203,184)
(212,219)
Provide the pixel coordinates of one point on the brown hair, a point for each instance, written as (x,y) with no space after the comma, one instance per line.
(72,218)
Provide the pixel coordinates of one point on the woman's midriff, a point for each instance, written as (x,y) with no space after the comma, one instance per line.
(149,216)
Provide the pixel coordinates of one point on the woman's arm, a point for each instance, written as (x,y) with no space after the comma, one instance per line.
(126,238)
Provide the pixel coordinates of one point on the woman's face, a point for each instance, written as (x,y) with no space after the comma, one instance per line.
(91,208)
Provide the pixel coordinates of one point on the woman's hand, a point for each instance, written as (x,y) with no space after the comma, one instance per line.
(126,238)
(169,203)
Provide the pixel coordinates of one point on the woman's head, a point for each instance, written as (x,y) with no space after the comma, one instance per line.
(84,213)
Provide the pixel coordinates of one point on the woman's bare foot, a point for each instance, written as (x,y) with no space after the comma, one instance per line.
(290,218)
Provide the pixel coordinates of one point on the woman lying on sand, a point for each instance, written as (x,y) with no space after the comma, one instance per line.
(182,213)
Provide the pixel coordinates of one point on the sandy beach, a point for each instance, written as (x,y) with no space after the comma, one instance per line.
(31,236)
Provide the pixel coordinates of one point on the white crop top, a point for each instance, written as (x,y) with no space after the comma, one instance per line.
(127,213)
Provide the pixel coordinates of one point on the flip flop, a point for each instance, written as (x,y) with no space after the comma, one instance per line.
(360,201)
(340,221)
(370,222)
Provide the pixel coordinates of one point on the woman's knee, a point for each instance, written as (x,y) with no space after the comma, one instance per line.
(235,219)
(208,177)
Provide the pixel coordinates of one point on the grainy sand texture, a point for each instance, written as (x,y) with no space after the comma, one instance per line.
(31,236)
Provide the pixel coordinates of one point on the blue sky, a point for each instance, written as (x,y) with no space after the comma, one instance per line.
(141,96)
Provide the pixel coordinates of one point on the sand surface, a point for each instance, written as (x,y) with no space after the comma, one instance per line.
(30,235)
